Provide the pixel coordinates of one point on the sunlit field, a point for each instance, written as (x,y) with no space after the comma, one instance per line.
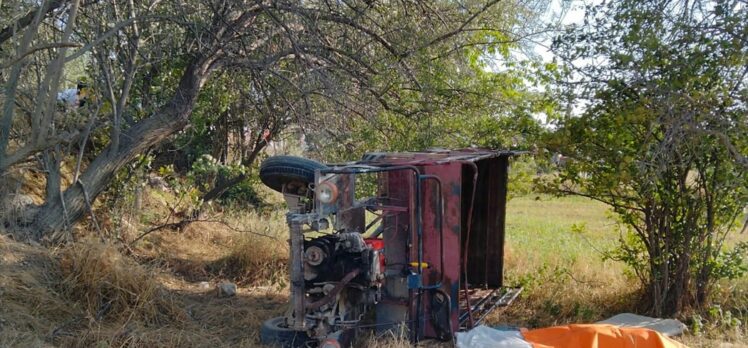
(556,249)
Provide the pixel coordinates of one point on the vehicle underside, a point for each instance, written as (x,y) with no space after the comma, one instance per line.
(405,241)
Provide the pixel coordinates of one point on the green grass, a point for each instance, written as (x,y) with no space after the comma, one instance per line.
(558,230)
(555,251)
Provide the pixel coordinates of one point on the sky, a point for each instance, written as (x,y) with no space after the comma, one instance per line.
(566,12)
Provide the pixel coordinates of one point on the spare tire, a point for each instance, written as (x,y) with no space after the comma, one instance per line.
(275,333)
(277,171)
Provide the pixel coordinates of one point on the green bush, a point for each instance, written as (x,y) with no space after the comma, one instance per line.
(244,193)
(522,172)
(207,172)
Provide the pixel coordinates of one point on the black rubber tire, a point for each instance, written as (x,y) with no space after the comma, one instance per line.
(277,171)
(274,334)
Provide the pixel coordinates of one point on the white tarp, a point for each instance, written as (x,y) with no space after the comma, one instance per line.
(667,327)
(486,337)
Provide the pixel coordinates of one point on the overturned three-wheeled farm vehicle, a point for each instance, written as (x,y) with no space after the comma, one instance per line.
(396,240)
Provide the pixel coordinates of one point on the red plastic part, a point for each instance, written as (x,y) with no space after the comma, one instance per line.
(378,245)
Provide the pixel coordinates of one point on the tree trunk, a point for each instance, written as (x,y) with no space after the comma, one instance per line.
(146,133)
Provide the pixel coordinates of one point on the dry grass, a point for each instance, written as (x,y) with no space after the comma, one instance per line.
(94,294)
(153,294)
(91,295)
(255,261)
(248,250)
(554,251)
(398,338)
(30,306)
(110,285)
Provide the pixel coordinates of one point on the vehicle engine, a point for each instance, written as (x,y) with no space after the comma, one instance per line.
(391,242)
(342,279)
(332,257)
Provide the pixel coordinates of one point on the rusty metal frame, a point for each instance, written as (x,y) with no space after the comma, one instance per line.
(482,266)
(429,209)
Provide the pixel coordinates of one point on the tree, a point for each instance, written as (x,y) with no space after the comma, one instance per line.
(423,83)
(151,61)
(480,95)
(661,137)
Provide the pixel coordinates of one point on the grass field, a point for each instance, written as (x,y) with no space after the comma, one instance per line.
(159,292)
(555,249)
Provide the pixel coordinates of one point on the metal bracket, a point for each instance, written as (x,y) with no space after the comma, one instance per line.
(415,281)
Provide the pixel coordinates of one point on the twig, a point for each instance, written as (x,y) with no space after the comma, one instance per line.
(65,215)
(239,230)
(119,26)
(90,209)
(83,142)
(172,226)
(182,223)
(579,281)
(39,48)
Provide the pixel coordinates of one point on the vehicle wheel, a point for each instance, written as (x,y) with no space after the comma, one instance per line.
(277,171)
(274,333)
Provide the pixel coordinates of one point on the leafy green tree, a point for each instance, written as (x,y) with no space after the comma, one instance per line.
(661,136)
(211,69)
(439,86)
(465,101)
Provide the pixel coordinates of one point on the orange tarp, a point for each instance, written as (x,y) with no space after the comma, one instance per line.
(597,336)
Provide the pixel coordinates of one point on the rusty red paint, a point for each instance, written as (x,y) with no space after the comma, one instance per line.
(485,266)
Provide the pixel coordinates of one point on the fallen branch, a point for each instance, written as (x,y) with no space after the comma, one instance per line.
(171,226)
(183,223)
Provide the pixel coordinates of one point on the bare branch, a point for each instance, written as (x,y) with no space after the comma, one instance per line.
(179,225)
(119,26)
(462,27)
(12,86)
(30,17)
(39,48)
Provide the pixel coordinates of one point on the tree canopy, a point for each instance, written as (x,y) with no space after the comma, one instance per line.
(215,73)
